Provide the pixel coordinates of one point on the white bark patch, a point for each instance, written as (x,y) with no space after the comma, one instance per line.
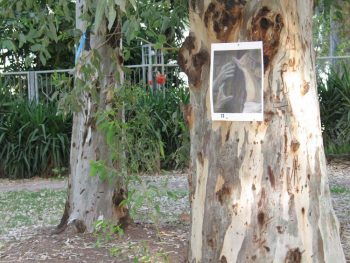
(88,137)
(198,203)
(219,183)
(250,173)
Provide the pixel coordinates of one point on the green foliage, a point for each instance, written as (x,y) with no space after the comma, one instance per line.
(166,112)
(160,22)
(330,21)
(339,190)
(153,134)
(139,252)
(335,111)
(145,255)
(37,34)
(164,21)
(33,138)
(105,231)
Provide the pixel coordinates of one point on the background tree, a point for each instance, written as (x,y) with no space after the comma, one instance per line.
(331,34)
(36,34)
(98,74)
(259,190)
(160,22)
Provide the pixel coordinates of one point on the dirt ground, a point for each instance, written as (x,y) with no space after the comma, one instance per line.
(142,242)
(139,242)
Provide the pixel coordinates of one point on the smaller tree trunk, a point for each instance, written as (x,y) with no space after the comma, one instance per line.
(90,198)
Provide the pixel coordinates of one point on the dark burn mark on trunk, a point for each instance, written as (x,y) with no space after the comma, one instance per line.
(121,211)
(187,115)
(200,59)
(193,4)
(285,142)
(223,259)
(192,63)
(64,220)
(280,229)
(118,197)
(293,256)
(264,23)
(264,11)
(295,145)
(197,6)
(200,158)
(261,218)
(114,35)
(227,135)
(271,177)
(211,242)
(224,193)
(267,27)
(305,88)
(224,17)
(268,115)
(262,198)
(79,226)
(267,248)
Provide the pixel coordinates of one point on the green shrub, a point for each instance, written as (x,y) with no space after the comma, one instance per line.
(335,111)
(167,117)
(34,139)
(154,134)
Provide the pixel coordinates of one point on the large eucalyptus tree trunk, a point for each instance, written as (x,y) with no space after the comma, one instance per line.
(89,197)
(259,190)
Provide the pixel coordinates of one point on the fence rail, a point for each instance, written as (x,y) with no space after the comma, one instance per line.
(41,85)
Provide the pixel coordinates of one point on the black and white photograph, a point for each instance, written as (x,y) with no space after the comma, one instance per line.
(236,81)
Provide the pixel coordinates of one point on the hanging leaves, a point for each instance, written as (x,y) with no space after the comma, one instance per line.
(108,9)
(31,32)
(100,11)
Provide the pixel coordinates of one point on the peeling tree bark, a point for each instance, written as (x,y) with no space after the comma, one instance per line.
(259,190)
(89,197)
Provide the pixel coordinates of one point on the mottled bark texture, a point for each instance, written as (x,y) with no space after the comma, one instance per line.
(259,190)
(89,197)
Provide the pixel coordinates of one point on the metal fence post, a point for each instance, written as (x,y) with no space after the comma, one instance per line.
(31,86)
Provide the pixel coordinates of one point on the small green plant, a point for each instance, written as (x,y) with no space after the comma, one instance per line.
(144,254)
(105,231)
(339,190)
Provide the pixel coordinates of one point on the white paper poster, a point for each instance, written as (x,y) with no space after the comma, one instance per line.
(236,81)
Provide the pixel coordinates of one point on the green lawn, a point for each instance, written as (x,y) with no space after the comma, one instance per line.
(24,208)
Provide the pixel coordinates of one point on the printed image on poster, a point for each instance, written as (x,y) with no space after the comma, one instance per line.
(236,81)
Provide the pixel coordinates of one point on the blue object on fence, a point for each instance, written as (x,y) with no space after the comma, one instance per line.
(81,46)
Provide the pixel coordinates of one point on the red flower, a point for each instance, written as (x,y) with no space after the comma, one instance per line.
(160,78)
(150,82)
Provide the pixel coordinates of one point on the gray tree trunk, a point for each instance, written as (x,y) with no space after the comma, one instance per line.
(89,197)
(259,190)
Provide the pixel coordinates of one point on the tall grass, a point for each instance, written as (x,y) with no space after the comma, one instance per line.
(34,139)
(335,111)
